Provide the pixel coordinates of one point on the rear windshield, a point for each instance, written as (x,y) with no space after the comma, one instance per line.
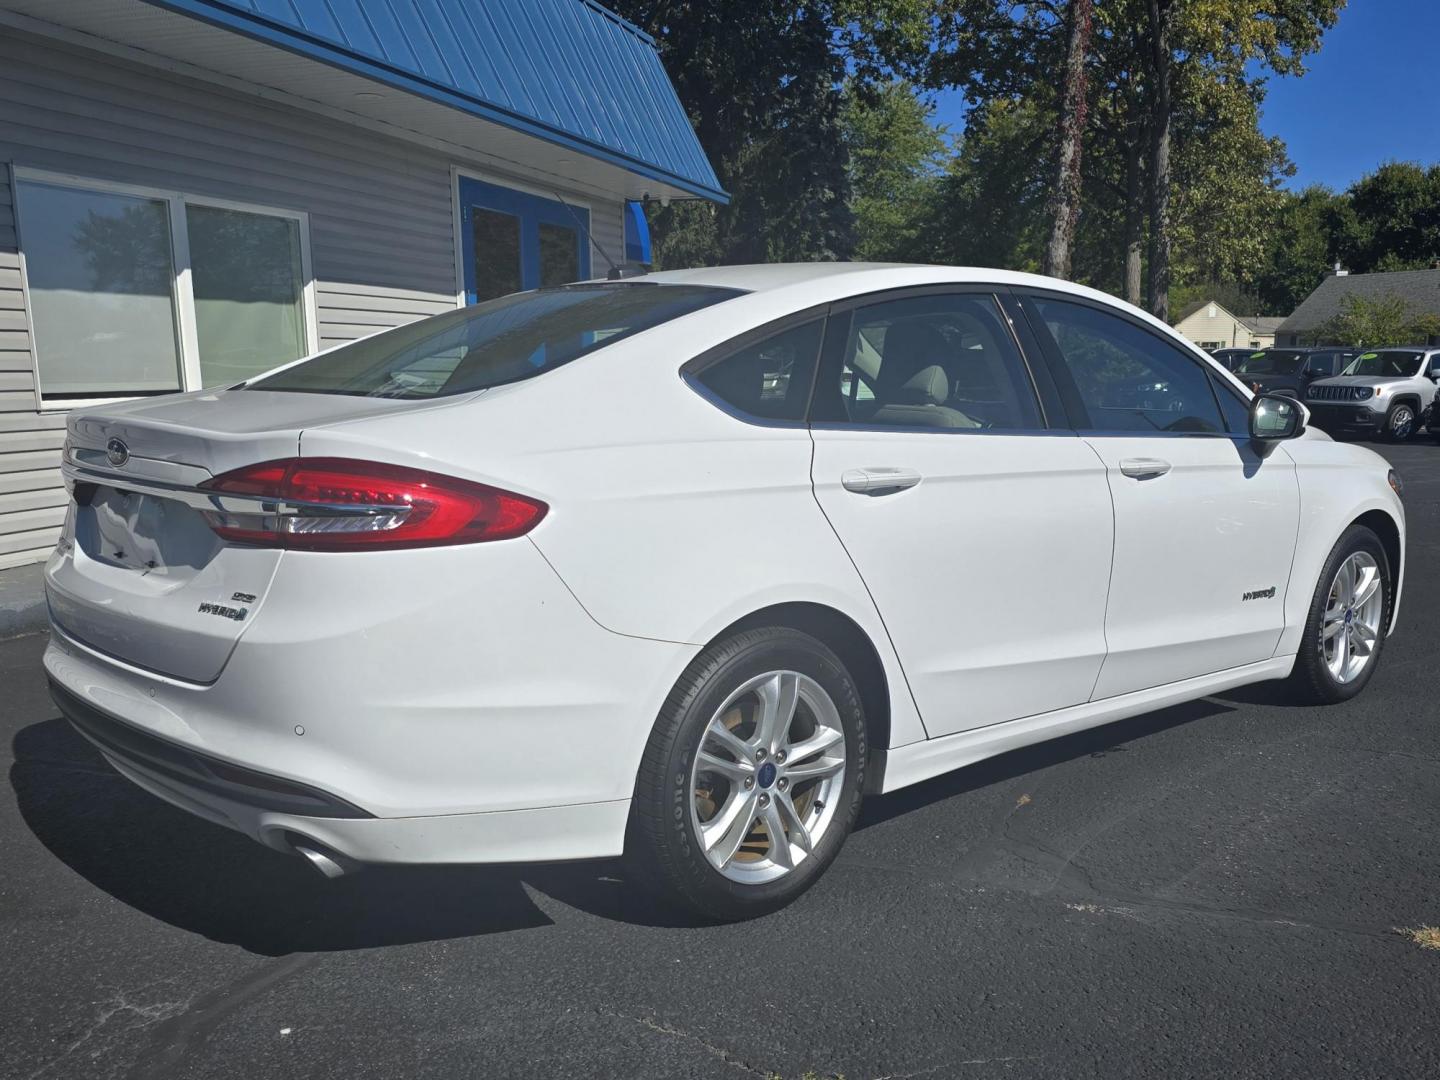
(1394,365)
(1272,362)
(501,341)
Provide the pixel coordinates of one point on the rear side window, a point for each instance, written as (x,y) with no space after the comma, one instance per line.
(943,361)
(1126,379)
(502,341)
(768,379)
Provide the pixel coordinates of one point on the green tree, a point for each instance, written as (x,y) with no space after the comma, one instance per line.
(1299,248)
(1379,321)
(897,164)
(1391,219)
(764,87)
(991,202)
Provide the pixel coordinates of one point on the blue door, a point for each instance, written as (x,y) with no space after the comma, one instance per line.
(511,240)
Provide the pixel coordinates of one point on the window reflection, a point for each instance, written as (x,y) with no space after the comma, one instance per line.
(101,277)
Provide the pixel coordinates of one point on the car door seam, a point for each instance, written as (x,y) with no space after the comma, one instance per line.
(1110,586)
(880,615)
(1294,551)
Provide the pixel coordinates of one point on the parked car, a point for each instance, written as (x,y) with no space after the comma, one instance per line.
(1384,391)
(1290,371)
(683,566)
(1230,359)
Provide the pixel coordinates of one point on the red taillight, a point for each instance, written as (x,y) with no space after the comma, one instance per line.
(335,504)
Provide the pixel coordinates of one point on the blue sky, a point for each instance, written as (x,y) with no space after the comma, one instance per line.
(1371,95)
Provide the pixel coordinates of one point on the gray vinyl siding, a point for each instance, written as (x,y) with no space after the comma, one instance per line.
(32,501)
(381,226)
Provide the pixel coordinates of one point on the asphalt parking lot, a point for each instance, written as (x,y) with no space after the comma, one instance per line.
(1210,890)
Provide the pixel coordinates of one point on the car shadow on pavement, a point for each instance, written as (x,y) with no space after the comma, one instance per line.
(211,881)
(1096,742)
(208,880)
(1276,692)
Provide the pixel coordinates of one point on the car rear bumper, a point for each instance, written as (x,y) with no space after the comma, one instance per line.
(451,709)
(267,809)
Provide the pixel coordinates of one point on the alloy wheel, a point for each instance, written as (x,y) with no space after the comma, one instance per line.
(768,777)
(1350,627)
(1402,420)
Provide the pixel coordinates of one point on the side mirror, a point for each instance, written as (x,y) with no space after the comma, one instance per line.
(1274,417)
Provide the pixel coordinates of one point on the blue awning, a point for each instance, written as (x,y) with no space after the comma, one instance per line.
(567,71)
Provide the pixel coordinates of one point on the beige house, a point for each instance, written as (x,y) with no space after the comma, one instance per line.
(1212,326)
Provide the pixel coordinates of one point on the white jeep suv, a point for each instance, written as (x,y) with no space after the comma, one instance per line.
(1384,391)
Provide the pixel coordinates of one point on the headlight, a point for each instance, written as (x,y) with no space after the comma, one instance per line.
(1396,484)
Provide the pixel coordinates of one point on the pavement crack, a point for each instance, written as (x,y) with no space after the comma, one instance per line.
(180,1032)
(717,1051)
(118,1004)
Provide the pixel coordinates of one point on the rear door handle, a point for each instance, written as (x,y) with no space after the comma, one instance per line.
(882,480)
(1144,468)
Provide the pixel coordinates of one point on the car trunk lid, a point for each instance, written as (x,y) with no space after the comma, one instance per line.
(139,574)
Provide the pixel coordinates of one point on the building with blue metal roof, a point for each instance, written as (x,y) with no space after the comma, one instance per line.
(195,190)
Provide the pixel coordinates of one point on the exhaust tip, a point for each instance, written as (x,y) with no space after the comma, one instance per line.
(330,863)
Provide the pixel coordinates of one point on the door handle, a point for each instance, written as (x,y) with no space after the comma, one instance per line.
(882,480)
(1144,468)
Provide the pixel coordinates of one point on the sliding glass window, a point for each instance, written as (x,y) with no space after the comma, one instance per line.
(134,292)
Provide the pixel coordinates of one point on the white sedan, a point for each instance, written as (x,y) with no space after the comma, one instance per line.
(681,566)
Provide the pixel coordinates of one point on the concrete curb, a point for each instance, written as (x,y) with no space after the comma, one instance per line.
(22,601)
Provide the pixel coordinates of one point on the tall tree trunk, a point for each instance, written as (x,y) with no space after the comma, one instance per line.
(1064,205)
(1134,216)
(1161,13)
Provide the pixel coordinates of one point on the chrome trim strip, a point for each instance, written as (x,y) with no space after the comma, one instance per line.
(225,502)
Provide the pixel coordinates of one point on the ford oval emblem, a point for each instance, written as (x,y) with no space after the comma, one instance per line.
(116,452)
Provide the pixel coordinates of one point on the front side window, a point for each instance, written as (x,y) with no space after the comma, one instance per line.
(113,274)
(939,361)
(768,379)
(1125,378)
(506,340)
(1234,409)
(1385,365)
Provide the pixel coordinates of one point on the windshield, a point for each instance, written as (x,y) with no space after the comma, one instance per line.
(1389,365)
(515,337)
(1272,362)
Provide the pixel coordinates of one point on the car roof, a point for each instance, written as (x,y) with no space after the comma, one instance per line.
(822,282)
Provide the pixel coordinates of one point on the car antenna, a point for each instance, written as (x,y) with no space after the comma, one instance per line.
(616,270)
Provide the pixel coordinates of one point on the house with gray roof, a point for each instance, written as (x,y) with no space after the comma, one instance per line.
(1420,289)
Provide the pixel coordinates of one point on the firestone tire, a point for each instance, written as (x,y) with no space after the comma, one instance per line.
(665,843)
(1312,681)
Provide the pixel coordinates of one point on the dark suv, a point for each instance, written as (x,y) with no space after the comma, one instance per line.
(1290,371)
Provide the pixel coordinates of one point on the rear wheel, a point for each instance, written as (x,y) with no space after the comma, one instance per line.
(753,775)
(1400,421)
(1345,630)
